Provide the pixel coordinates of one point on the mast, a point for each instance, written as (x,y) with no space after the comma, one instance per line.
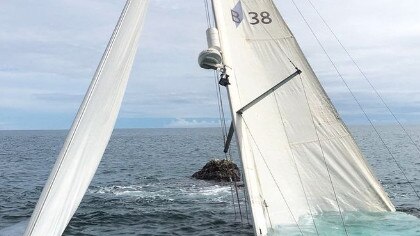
(250,175)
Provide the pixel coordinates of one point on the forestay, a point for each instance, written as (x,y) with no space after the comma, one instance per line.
(91,129)
(298,156)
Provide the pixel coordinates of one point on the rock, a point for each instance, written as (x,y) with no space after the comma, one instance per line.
(219,170)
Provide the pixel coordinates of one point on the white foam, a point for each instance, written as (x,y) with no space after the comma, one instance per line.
(215,190)
(215,193)
(115,189)
(129,191)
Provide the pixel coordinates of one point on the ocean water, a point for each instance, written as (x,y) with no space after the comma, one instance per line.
(143,185)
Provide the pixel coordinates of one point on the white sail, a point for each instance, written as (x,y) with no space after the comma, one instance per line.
(298,156)
(91,129)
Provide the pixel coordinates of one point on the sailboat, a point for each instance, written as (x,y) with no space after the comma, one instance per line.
(299,158)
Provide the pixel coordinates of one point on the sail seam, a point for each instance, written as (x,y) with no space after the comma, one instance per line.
(321,139)
(270,39)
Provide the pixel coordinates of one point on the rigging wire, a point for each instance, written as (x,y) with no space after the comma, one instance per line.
(222,118)
(233,200)
(271,173)
(228,155)
(220,108)
(246,201)
(245,192)
(294,66)
(223,129)
(364,75)
(295,164)
(206,7)
(356,100)
(237,198)
(323,156)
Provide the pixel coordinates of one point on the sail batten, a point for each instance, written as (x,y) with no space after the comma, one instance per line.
(298,156)
(91,129)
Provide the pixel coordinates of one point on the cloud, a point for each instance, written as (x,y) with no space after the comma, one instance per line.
(50,50)
(380,35)
(193,123)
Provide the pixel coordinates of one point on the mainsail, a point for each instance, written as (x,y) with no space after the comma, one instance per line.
(299,158)
(91,129)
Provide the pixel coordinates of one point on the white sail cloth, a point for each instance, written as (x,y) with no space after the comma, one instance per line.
(298,156)
(92,128)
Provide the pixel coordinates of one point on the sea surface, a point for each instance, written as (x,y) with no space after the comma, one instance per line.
(143,185)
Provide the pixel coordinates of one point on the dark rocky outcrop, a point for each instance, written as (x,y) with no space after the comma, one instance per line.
(219,170)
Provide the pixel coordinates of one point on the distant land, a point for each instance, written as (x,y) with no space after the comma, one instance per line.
(63,122)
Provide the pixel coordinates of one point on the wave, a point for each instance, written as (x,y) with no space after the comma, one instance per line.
(14,230)
(214,190)
(128,191)
(182,193)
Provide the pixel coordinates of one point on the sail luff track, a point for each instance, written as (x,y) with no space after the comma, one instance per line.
(257,214)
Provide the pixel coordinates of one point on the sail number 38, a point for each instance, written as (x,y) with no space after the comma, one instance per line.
(256,18)
(263,17)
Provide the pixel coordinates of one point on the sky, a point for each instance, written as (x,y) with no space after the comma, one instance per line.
(50,50)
